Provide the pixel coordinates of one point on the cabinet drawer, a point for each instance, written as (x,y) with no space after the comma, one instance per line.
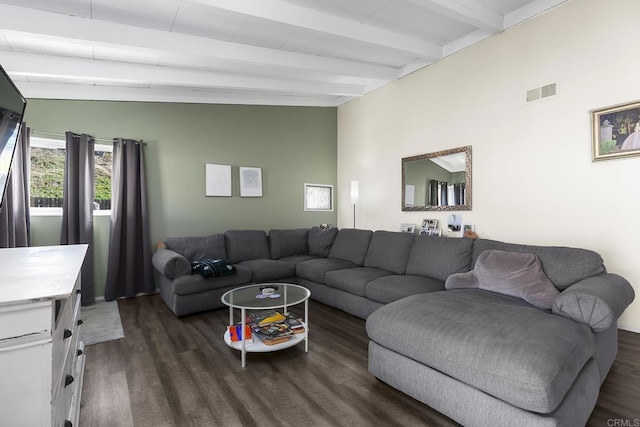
(65,337)
(25,394)
(25,319)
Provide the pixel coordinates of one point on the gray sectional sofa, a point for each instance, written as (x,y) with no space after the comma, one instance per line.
(482,356)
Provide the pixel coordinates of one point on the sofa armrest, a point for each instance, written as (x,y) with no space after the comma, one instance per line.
(171,264)
(597,301)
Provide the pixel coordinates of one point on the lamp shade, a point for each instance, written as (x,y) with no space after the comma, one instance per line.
(355,192)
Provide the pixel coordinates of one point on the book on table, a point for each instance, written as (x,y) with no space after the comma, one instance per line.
(273,327)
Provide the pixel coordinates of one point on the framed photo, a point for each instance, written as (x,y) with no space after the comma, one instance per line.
(616,131)
(435,232)
(407,228)
(250,182)
(217,180)
(318,197)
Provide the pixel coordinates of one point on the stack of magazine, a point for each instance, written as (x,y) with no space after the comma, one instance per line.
(273,327)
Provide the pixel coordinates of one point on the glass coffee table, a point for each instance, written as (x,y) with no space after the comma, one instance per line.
(266,296)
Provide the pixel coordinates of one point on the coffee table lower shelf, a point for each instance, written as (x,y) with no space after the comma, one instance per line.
(258,346)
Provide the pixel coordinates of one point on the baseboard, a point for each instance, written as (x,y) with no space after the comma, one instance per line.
(629,328)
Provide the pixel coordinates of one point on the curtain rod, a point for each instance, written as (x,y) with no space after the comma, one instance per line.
(61,135)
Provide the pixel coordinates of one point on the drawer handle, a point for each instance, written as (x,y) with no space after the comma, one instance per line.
(68,380)
(67,333)
(68,423)
(80,322)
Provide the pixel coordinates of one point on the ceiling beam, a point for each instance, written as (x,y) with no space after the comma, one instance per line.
(529,11)
(467,11)
(60,68)
(160,94)
(101,33)
(302,17)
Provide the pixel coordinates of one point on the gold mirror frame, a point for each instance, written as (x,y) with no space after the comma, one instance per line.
(467,202)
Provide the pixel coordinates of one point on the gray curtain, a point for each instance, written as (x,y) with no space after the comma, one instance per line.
(77,206)
(129,272)
(15,224)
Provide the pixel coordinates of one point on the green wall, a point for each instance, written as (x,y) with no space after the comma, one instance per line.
(292,145)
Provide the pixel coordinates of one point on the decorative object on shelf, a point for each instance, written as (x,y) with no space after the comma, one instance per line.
(616,131)
(355,195)
(318,197)
(250,182)
(407,228)
(439,181)
(434,232)
(217,180)
(428,226)
(455,223)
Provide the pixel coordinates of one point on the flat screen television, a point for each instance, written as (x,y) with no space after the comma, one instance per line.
(12,105)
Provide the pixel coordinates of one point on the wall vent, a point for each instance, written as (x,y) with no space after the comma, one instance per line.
(545,91)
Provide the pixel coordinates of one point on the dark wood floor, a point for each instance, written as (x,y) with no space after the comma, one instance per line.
(178,372)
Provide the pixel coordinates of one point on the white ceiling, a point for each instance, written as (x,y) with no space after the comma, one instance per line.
(273,52)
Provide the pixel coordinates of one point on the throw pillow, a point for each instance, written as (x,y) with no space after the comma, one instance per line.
(509,273)
(209,268)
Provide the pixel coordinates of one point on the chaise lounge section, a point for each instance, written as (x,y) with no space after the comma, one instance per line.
(496,351)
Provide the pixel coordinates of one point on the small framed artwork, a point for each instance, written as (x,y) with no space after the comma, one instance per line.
(407,228)
(616,131)
(435,232)
(250,182)
(428,225)
(217,180)
(318,197)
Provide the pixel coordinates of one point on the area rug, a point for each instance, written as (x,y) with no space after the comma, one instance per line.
(100,322)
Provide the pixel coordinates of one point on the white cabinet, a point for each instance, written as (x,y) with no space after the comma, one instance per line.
(41,360)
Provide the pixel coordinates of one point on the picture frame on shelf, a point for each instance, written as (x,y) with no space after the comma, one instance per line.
(435,232)
(318,197)
(615,131)
(217,180)
(407,228)
(250,182)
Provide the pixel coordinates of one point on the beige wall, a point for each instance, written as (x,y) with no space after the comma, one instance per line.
(533,178)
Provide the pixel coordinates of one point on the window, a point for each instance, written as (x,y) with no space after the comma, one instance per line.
(47,176)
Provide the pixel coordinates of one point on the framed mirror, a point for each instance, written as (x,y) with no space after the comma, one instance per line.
(439,181)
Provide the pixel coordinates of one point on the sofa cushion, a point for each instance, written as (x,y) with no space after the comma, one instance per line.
(195,284)
(295,259)
(351,245)
(439,257)
(563,266)
(353,280)
(509,273)
(315,269)
(392,288)
(320,240)
(243,245)
(264,270)
(284,243)
(389,251)
(496,343)
(195,248)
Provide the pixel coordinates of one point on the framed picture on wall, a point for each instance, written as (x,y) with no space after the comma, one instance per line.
(250,182)
(318,197)
(616,131)
(217,180)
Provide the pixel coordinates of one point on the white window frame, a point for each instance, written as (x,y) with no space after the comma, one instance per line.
(51,143)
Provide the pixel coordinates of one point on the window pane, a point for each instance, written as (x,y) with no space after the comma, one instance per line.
(104,161)
(47,176)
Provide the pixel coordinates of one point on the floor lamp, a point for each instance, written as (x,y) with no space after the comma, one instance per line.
(355,192)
